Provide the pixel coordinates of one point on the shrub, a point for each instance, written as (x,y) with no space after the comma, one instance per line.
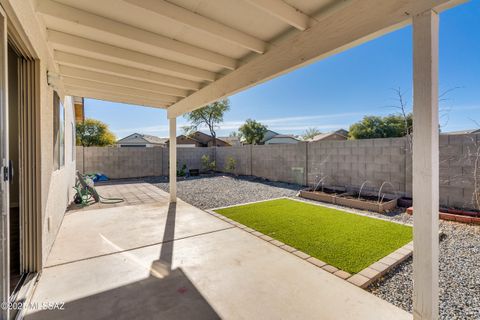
(207,164)
(230,165)
(183,171)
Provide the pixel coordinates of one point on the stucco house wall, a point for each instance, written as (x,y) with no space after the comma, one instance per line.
(56,185)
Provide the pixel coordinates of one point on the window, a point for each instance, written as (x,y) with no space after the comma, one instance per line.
(58,132)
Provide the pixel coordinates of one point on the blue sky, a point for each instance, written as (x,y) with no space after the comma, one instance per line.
(338,91)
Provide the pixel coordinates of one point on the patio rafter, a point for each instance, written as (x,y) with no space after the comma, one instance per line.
(77,73)
(87,63)
(93,85)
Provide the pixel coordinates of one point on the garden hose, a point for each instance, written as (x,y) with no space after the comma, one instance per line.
(86,194)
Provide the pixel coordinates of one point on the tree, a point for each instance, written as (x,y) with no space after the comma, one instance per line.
(253,131)
(406,114)
(93,132)
(370,127)
(210,116)
(235,134)
(310,133)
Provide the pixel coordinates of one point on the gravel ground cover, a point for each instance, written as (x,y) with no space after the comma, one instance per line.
(459,275)
(459,248)
(213,191)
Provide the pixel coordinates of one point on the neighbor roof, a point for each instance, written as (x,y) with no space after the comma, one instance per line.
(148,138)
(284,136)
(154,139)
(323,136)
(199,137)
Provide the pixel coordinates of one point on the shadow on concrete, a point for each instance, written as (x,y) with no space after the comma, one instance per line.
(165,294)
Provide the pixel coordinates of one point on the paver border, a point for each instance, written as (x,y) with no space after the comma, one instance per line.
(361,279)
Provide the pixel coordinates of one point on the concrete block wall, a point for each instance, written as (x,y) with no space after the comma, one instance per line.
(118,163)
(342,163)
(282,162)
(354,162)
(242,156)
(192,157)
(459,155)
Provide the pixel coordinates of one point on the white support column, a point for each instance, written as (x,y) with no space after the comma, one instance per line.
(173,159)
(425,166)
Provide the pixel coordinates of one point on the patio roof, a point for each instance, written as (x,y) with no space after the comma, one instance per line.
(181,55)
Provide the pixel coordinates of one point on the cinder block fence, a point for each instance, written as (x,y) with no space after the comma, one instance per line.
(351,163)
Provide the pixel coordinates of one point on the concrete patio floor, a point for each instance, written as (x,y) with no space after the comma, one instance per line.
(162,261)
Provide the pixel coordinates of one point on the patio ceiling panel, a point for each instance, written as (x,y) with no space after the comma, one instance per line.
(101,95)
(70,43)
(75,20)
(113,89)
(199,22)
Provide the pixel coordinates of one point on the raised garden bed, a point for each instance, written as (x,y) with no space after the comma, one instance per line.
(472,217)
(366,202)
(350,199)
(405,202)
(325,195)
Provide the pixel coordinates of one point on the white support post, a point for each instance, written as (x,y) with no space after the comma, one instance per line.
(173,159)
(425,166)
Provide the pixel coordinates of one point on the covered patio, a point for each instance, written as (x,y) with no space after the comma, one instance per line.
(183,55)
(163,260)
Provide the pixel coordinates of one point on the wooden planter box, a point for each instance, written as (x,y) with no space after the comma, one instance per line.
(318,196)
(347,200)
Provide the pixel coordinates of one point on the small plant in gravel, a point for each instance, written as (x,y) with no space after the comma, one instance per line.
(183,171)
(207,164)
(231,165)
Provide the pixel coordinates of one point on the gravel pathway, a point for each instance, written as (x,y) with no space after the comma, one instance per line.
(459,248)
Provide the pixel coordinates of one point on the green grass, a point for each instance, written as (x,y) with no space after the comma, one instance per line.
(347,241)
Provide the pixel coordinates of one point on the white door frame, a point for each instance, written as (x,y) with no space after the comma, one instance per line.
(4,185)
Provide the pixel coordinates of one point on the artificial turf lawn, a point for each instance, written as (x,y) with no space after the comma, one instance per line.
(347,241)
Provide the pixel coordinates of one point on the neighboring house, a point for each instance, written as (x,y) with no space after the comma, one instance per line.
(282,139)
(233,141)
(141,140)
(198,139)
(463,131)
(269,134)
(341,134)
